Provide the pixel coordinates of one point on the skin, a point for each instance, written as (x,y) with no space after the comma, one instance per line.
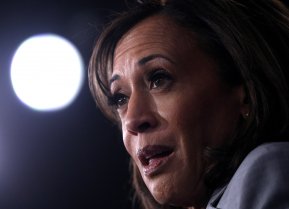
(186,106)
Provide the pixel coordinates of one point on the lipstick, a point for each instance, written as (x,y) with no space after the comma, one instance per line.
(153,157)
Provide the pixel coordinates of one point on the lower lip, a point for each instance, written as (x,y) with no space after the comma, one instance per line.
(156,165)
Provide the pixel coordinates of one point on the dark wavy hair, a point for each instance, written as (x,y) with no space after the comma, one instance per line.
(249,39)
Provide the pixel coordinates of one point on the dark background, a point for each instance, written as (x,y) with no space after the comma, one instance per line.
(68,159)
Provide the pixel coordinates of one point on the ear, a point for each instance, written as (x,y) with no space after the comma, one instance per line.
(244,102)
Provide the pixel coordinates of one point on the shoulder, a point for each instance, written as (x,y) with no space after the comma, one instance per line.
(277,151)
(261,181)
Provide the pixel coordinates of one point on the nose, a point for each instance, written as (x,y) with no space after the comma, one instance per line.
(141,115)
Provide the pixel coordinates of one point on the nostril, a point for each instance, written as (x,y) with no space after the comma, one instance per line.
(144,126)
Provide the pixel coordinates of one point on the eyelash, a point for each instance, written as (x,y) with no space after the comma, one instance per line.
(119,99)
(159,75)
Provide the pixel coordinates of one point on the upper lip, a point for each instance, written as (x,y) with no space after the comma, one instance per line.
(153,151)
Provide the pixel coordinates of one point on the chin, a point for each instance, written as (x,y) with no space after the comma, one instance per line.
(166,193)
(166,199)
(195,202)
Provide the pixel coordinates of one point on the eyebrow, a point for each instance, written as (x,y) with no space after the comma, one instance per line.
(142,62)
(146,59)
(114,78)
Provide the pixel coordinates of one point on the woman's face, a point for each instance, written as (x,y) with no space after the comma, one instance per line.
(172,104)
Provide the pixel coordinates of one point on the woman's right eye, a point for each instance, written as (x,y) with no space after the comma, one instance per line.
(117,100)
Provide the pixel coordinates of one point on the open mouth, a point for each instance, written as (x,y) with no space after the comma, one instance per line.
(153,152)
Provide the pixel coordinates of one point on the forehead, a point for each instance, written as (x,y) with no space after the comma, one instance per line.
(156,34)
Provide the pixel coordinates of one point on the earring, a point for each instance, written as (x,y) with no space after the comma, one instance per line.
(246,115)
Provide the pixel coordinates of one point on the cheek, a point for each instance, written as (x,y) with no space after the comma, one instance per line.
(173,107)
(130,143)
(127,142)
(179,113)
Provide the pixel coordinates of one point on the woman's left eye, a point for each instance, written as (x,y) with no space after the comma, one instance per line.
(159,78)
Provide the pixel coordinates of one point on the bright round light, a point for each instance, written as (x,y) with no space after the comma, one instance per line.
(47,72)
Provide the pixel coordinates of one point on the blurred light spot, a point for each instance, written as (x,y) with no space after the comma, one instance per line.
(47,72)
